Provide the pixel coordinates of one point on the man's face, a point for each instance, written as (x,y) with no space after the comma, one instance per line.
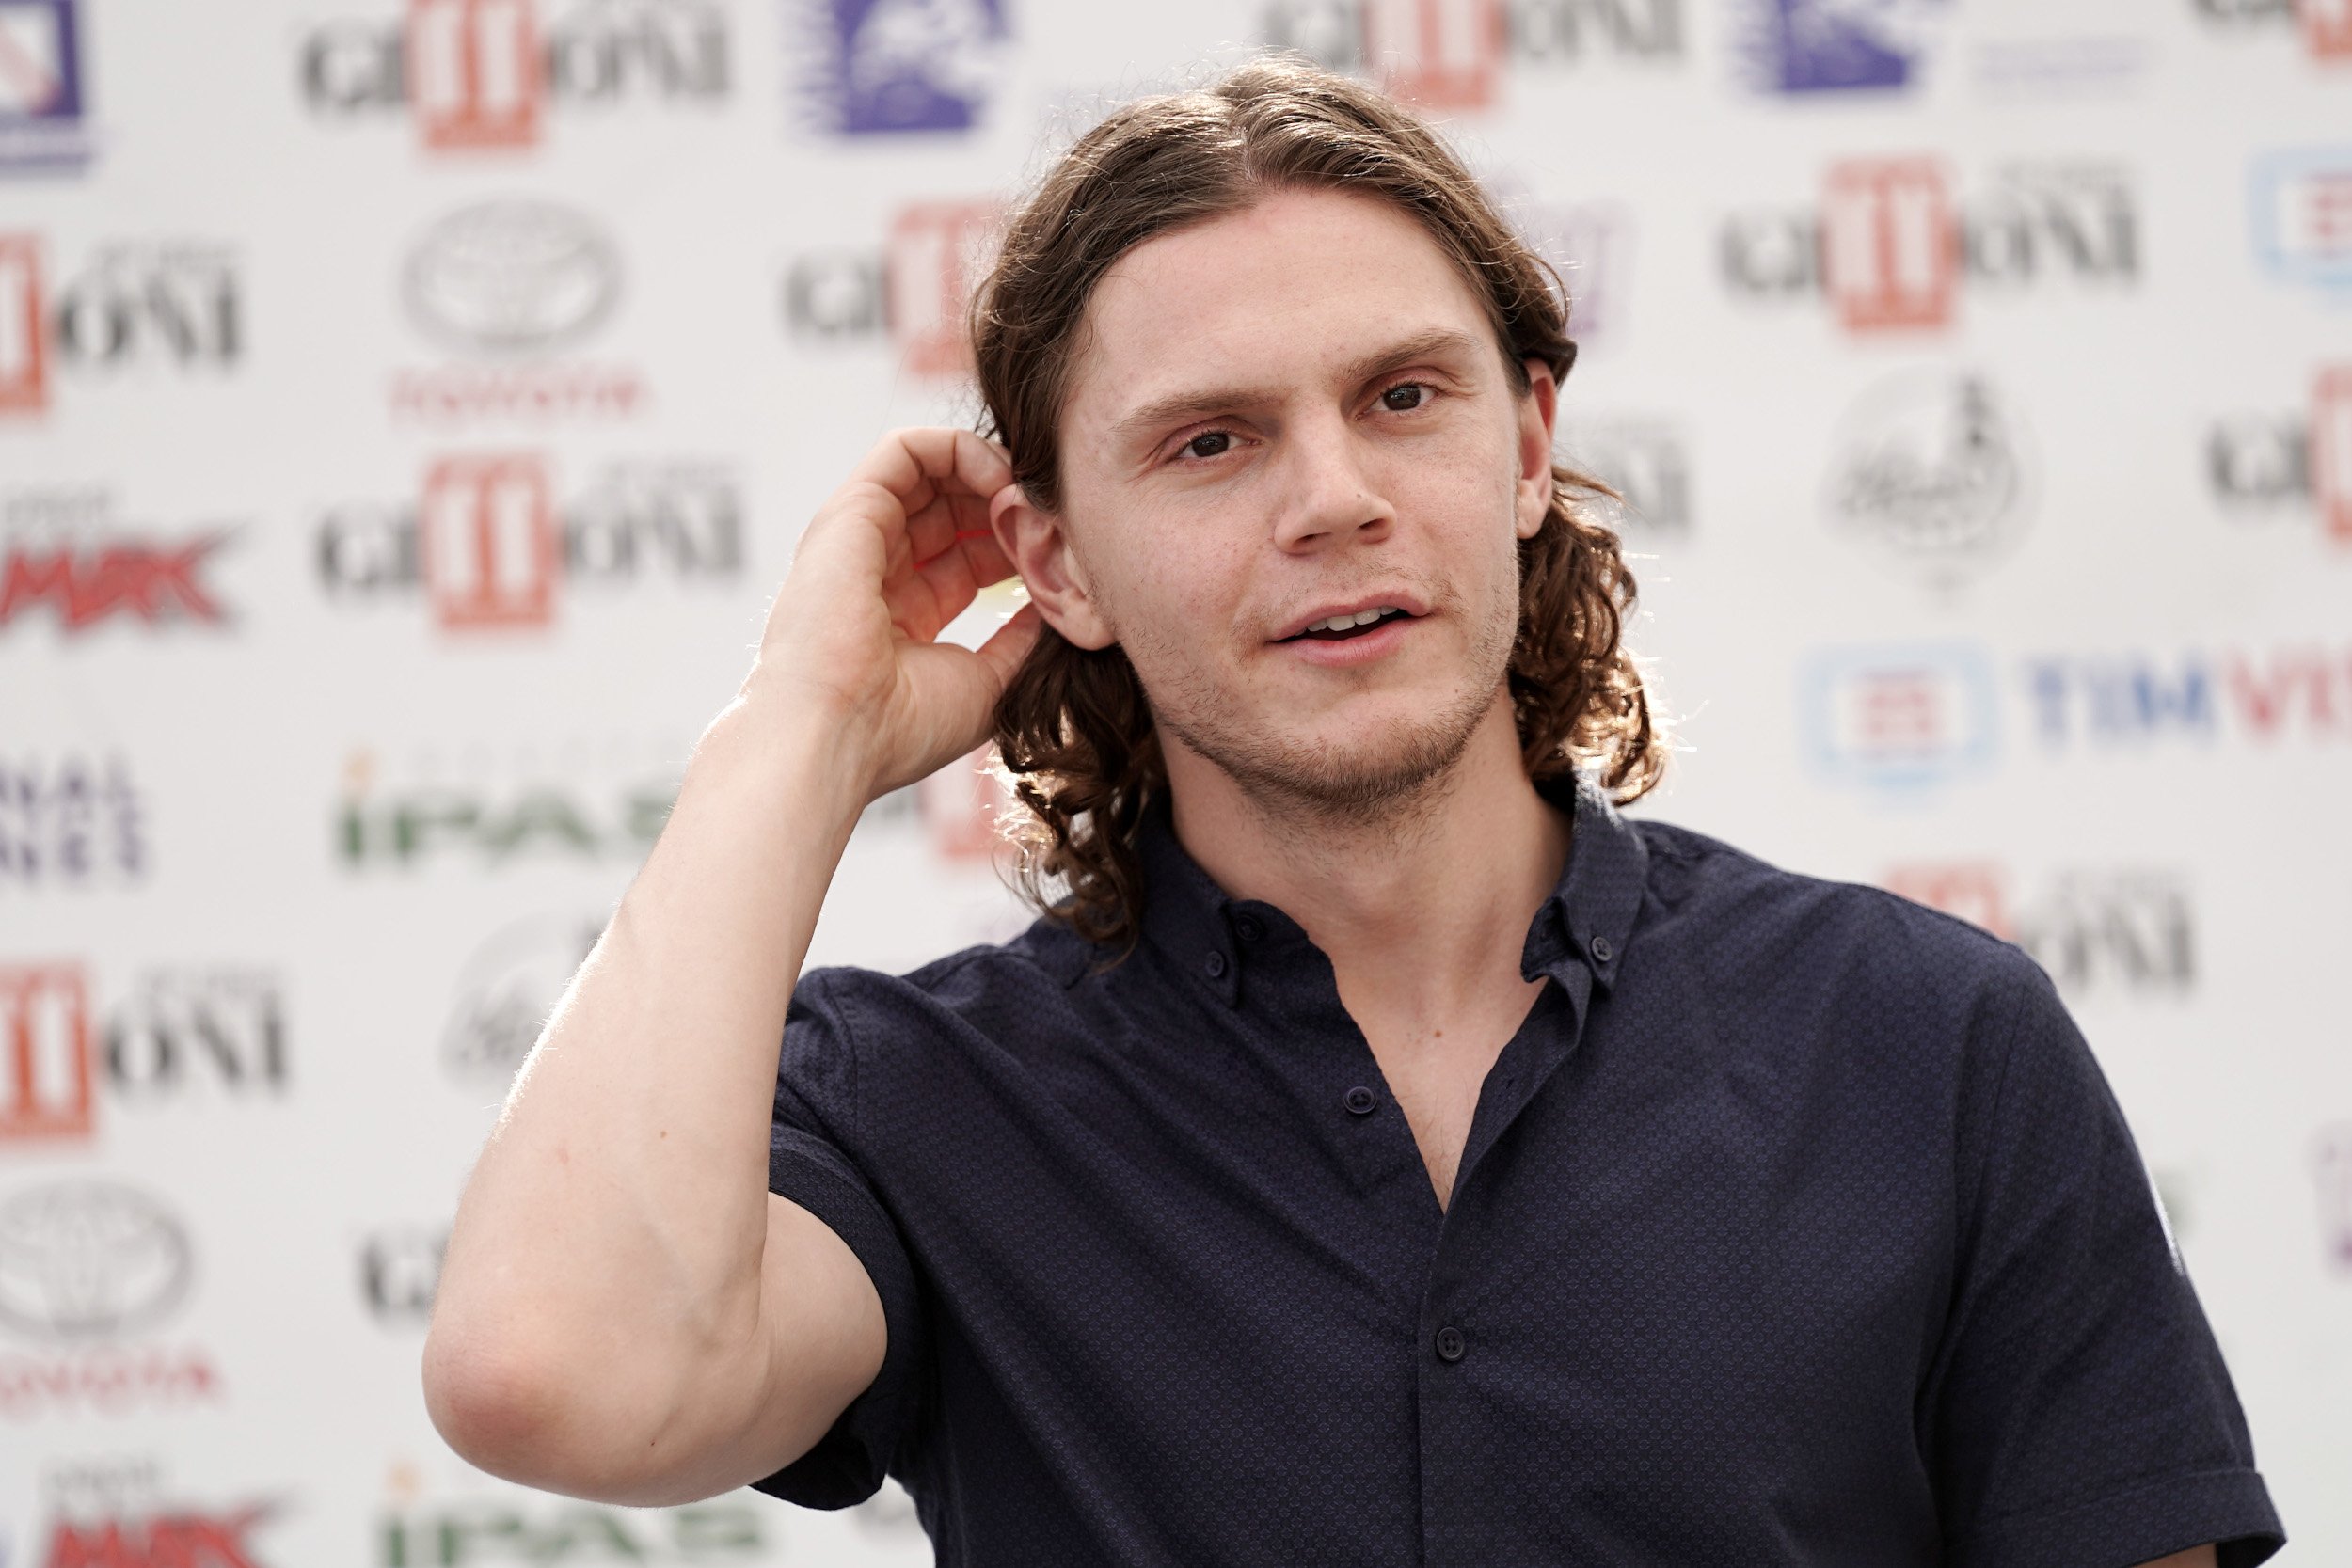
(1296,411)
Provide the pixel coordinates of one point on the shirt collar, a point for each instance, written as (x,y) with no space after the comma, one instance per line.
(1587,922)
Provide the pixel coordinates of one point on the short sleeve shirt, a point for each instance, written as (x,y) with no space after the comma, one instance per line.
(1795,1225)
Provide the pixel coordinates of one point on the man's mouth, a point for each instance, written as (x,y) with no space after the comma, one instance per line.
(1337,628)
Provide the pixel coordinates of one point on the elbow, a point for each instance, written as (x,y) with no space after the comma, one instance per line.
(492,1408)
(524,1415)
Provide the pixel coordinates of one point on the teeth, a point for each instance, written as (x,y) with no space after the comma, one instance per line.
(1363,618)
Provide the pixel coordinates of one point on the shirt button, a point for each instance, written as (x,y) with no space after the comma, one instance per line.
(1362,1100)
(1601,950)
(1450,1343)
(1214,964)
(1248,928)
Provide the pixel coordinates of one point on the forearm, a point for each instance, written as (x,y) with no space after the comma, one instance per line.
(617,1219)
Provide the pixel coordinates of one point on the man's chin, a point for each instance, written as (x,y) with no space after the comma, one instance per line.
(1354,766)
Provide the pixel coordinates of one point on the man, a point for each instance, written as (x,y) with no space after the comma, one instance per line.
(1382,1152)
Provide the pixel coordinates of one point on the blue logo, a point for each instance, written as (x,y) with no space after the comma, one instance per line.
(1900,717)
(40,86)
(883,65)
(2299,206)
(1801,46)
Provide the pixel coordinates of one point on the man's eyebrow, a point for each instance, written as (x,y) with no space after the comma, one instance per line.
(1188,405)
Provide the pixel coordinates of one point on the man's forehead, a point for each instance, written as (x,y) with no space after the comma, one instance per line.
(1301,286)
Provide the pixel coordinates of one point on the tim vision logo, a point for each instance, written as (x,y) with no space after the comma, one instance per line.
(1892,243)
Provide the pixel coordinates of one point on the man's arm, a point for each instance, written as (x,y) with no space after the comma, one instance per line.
(625,1312)
(2196,1557)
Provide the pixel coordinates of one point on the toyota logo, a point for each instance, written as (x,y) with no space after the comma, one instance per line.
(511,278)
(89,1260)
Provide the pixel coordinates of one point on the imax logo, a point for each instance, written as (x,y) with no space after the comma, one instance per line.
(1890,245)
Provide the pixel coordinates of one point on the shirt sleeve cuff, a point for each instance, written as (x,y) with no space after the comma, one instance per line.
(2149,1521)
(848,1463)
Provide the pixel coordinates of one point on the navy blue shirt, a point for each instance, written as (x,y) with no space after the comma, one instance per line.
(1796,1224)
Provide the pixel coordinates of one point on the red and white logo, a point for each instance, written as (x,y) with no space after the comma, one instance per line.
(1890,254)
(23,381)
(46,1089)
(1440,54)
(491,553)
(2331,451)
(183,1538)
(1899,713)
(1974,890)
(935,255)
(473,69)
(2328,28)
(88,585)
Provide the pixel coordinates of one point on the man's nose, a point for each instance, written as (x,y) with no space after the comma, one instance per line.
(1329,494)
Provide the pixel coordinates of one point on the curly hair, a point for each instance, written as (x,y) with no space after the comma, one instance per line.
(1073,728)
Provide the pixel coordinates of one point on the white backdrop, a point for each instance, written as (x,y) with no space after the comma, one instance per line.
(407,412)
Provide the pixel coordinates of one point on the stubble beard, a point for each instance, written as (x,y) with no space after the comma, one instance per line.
(1388,780)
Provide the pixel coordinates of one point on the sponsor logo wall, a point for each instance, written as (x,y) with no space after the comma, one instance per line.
(395,474)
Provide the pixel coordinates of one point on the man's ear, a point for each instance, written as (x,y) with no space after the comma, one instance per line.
(1035,541)
(1538,410)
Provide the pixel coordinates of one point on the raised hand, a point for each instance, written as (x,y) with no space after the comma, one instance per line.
(891,558)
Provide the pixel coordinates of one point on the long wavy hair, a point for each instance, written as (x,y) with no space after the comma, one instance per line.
(1073,728)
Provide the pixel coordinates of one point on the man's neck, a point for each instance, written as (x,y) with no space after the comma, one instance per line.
(1423,912)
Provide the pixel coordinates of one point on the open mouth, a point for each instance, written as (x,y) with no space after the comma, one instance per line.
(1338,629)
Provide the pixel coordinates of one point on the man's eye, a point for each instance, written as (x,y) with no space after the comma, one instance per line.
(1209,443)
(1403,397)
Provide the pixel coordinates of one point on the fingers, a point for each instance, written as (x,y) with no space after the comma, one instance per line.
(907,462)
(923,600)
